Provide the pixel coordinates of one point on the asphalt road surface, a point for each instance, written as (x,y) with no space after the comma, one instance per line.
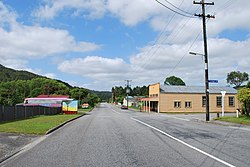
(109,137)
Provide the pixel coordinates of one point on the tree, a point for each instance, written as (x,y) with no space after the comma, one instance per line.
(78,93)
(248,85)
(244,97)
(237,78)
(173,80)
(91,99)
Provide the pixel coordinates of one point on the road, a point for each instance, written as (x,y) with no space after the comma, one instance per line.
(109,136)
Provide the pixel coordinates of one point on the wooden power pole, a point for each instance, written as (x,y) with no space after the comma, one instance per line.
(204,16)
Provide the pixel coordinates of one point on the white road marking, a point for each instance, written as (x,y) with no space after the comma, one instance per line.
(182,142)
(183,119)
(115,111)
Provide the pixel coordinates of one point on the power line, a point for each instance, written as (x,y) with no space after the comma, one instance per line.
(178,8)
(174,10)
(160,40)
(223,7)
(183,55)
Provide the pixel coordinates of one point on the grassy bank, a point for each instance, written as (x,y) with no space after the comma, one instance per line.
(36,125)
(241,120)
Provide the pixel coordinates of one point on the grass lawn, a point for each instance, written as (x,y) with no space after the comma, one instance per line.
(36,125)
(241,120)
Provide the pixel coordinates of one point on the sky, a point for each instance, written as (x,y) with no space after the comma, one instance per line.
(98,44)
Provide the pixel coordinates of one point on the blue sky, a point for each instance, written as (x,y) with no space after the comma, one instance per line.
(97,44)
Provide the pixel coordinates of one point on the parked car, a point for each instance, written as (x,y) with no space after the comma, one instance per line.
(124,107)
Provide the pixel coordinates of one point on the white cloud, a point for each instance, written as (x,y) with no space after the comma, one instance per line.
(51,9)
(133,12)
(17,64)
(95,67)
(50,75)
(154,65)
(21,42)
(229,15)
(27,41)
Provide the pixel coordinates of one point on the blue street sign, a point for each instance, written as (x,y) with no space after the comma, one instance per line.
(213,81)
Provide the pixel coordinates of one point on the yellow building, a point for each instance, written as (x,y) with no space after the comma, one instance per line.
(164,98)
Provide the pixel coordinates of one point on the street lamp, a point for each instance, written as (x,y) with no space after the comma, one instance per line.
(193,53)
(206,83)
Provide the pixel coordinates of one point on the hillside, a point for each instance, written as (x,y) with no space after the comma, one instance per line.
(103,95)
(8,74)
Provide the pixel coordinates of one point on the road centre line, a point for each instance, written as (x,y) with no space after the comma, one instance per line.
(115,111)
(186,144)
(183,119)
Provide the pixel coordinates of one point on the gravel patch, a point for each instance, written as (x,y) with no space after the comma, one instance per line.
(10,143)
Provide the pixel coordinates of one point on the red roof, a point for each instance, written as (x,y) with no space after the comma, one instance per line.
(85,104)
(53,96)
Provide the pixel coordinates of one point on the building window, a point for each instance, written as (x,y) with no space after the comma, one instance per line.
(188,104)
(231,101)
(177,104)
(203,101)
(219,101)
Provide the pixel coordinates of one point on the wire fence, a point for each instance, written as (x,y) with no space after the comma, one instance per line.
(11,113)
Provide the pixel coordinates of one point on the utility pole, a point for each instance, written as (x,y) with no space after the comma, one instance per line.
(204,16)
(127,89)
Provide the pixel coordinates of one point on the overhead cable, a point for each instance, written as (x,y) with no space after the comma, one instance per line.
(190,15)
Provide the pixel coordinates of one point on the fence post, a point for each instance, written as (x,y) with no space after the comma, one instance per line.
(3,113)
(25,112)
(15,115)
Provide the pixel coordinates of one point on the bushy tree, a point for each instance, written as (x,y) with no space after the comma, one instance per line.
(173,80)
(119,92)
(91,99)
(244,97)
(237,78)
(79,94)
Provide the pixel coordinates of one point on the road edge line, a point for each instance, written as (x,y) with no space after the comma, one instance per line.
(186,144)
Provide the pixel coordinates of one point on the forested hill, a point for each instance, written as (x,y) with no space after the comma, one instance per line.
(16,85)
(103,95)
(8,74)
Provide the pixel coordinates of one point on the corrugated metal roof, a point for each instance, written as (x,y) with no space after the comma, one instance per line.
(197,89)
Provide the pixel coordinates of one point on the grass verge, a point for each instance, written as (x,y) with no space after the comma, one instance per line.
(37,125)
(241,120)
(84,110)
